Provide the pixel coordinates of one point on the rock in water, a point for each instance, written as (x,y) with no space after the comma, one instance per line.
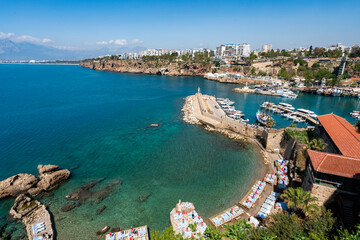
(51,180)
(16,185)
(68,206)
(100,210)
(83,192)
(143,198)
(103,230)
(154,125)
(46,168)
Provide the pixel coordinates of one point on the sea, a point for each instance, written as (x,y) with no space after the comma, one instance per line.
(97,125)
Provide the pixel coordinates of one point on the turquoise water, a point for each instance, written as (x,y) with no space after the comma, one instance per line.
(96,124)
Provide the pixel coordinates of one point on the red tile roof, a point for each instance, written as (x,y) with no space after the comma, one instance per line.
(344,135)
(335,164)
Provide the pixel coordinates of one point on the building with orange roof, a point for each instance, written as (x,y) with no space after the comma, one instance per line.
(343,136)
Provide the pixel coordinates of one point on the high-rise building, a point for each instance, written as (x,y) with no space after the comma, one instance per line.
(266,48)
(233,50)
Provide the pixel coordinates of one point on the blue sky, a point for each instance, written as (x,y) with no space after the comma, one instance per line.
(180,24)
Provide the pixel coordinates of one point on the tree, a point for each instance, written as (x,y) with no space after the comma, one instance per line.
(357,125)
(270,123)
(284,226)
(299,61)
(238,230)
(316,144)
(167,234)
(213,233)
(315,66)
(301,201)
(310,50)
(323,73)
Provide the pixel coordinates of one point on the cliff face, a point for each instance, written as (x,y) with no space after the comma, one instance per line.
(148,67)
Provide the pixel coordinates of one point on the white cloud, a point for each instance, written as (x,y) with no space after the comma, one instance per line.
(67,48)
(102,43)
(121,42)
(136,40)
(24,38)
(6,35)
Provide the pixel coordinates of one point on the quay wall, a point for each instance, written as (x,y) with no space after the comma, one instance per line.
(269,138)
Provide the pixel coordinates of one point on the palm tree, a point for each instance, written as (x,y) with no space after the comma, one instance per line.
(357,125)
(270,123)
(301,201)
(316,144)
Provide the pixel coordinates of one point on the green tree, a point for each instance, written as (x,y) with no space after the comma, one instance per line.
(323,73)
(316,144)
(301,201)
(315,66)
(320,225)
(238,230)
(213,233)
(167,234)
(357,125)
(300,61)
(284,226)
(270,123)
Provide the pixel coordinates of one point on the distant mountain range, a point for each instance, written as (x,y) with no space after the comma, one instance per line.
(11,51)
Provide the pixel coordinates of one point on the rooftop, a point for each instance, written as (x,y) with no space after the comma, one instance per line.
(344,135)
(335,164)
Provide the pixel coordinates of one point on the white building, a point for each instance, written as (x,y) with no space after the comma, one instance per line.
(233,50)
(266,48)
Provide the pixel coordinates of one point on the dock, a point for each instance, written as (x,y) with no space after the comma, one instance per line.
(309,119)
(226,216)
(186,221)
(139,233)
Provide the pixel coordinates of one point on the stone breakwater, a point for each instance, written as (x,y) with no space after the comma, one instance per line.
(236,80)
(148,67)
(188,110)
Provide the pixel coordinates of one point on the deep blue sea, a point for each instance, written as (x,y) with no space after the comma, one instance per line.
(96,124)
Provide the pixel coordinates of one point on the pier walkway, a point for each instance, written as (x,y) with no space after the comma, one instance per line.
(309,119)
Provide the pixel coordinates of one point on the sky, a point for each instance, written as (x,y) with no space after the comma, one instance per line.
(87,24)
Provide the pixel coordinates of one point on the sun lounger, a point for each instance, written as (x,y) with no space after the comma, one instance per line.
(261,215)
(270,202)
(187,234)
(38,238)
(264,210)
(275,194)
(217,221)
(267,206)
(110,237)
(247,204)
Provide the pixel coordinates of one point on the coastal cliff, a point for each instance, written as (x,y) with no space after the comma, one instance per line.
(148,67)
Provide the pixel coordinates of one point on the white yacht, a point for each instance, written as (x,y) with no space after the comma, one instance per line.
(262,117)
(286,105)
(307,112)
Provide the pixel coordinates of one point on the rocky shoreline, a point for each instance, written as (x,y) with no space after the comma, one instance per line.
(148,67)
(27,209)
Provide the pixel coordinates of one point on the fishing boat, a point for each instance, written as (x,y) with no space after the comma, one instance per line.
(262,117)
(337,92)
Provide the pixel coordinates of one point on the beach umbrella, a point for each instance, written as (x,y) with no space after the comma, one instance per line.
(284,173)
(110,233)
(202,223)
(132,228)
(192,235)
(183,220)
(187,229)
(256,192)
(121,231)
(247,200)
(199,216)
(260,184)
(253,196)
(231,210)
(263,179)
(178,212)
